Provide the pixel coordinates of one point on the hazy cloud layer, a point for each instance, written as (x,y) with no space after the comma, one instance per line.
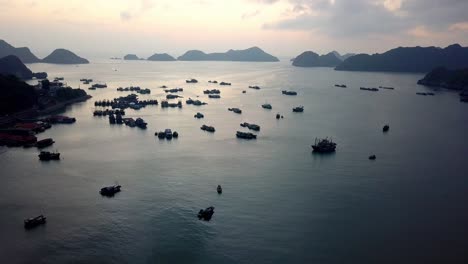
(363,17)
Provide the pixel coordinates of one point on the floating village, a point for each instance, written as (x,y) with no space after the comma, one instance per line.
(25,131)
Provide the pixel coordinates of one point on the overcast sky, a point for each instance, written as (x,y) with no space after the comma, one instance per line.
(285,28)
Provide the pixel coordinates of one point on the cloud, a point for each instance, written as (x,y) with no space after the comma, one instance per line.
(125,15)
(250,15)
(269,2)
(361,18)
(462,26)
(136,11)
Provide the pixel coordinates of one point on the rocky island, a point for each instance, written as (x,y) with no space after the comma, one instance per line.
(409,59)
(253,54)
(24,54)
(131,57)
(312,59)
(450,79)
(63,56)
(161,57)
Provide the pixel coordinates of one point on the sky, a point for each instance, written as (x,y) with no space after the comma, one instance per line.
(284,28)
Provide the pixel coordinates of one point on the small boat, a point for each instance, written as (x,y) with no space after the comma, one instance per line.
(266,106)
(45,156)
(98,85)
(254,87)
(246,135)
(161,135)
(324,145)
(372,157)
(278,116)
(219,189)
(44,143)
(214,96)
(386,128)
(175,134)
(35,221)
(168,133)
(110,190)
(112,118)
(340,85)
(140,123)
(235,110)
(224,83)
(250,126)
(206,214)
(387,88)
(289,92)
(298,109)
(199,115)
(207,128)
(244,91)
(369,89)
(191,81)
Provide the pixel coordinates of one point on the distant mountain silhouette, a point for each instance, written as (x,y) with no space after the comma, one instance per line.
(409,59)
(250,54)
(24,54)
(15,95)
(450,79)
(131,57)
(12,65)
(312,59)
(63,56)
(342,57)
(161,57)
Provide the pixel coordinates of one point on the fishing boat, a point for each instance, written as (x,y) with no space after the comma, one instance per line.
(199,115)
(288,92)
(219,189)
(44,143)
(385,128)
(168,133)
(324,145)
(35,221)
(140,123)
(206,214)
(110,190)
(207,128)
(46,155)
(266,106)
(298,109)
(245,135)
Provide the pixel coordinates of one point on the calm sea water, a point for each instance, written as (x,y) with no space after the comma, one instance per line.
(281,203)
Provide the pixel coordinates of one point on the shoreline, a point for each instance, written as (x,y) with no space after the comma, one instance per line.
(33,112)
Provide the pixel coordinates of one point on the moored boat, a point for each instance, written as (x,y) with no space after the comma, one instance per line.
(245,135)
(46,155)
(266,106)
(207,128)
(324,145)
(298,109)
(206,214)
(44,143)
(110,190)
(285,92)
(35,221)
